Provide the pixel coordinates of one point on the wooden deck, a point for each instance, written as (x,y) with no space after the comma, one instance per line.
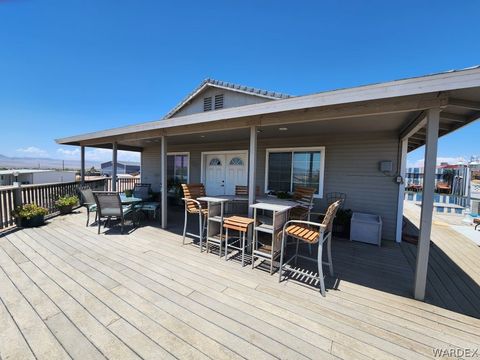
(67,292)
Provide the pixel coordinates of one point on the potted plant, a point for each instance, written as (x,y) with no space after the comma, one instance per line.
(129,193)
(66,203)
(29,215)
(341,224)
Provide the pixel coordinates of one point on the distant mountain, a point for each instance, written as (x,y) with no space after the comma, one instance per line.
(42,163)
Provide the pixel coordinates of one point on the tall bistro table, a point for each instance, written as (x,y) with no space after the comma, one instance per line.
(216,210)
(280,210)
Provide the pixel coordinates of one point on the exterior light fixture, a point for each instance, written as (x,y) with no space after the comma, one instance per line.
(283,128)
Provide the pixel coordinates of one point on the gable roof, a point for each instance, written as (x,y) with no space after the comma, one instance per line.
(273,95)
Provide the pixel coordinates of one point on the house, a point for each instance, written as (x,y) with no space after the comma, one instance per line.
(123,167)
(35,176)
(352,140)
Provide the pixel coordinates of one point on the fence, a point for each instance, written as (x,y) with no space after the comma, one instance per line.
(43,195)
(122,184)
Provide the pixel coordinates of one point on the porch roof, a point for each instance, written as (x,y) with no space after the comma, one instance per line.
(457,93)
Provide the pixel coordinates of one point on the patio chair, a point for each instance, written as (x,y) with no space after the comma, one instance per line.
(110,206)
(192,206)
(142,191)
(88,201)
(303,196)
(310,233)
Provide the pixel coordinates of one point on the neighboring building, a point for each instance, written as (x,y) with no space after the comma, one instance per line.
(35,176)
(447,176)
(123,167)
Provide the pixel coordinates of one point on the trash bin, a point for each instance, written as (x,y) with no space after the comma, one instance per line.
(366,228)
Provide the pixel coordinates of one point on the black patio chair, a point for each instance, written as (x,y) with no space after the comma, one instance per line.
(110,206)
(88,201)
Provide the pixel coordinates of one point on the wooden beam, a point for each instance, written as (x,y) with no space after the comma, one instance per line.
(82,165)
(163,165)
(464,104)
(414,126)
(252,168)
(401,188)
(452,117)
(114,166)
(426,215)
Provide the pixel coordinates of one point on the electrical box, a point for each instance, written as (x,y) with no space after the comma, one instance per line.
(386,166)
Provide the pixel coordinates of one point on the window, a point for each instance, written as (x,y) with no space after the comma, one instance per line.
(288,168)
(215,162)
(218,101)
(177,168)
(236,161)
(207,103)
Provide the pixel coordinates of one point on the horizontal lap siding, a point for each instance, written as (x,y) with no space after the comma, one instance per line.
(351,166)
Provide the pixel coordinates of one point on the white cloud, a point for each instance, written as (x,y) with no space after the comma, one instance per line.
(449,160)
(32,151)
(69,153)
(102,155)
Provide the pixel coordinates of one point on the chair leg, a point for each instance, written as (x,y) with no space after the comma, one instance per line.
(184,227)
(320,270)
(282,250)
(254,247)
(296,251)
(122,225)
(99,224)
(243,249)
(329,254)
(88,216)
(200,231)
(226,244)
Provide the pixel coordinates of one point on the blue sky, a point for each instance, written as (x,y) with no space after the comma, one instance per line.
(68,67)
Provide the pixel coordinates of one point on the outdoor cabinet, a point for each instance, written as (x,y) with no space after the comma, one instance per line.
(366,228)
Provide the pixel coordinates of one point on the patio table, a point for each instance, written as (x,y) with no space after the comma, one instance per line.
(280,209)
(216,207)
(129,200)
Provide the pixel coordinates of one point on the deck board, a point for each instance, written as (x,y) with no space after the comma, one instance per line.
(144,295)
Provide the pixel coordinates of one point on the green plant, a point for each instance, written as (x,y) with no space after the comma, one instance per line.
(29,211)
(129,193)
(66,200)
(283,195)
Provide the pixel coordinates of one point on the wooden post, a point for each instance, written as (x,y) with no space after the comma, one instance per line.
(164,181)
(114,166)
(401,188)
(17,195)
(252,168)
(82,165)
(423,247)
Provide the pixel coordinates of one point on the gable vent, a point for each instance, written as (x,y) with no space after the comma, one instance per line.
(219,101)
(207,103)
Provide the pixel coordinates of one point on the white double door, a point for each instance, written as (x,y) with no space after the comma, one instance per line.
(225,170)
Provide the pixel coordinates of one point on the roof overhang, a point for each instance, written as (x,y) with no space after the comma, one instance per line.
(457,93)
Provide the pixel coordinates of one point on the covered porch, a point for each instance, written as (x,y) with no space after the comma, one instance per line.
(353,131)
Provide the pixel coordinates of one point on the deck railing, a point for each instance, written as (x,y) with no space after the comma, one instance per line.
(122,184)
(43,195)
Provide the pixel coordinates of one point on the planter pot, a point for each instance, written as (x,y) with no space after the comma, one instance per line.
(32,222)
(65,209)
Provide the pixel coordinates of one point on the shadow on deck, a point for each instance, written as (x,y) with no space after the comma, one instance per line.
(389,269)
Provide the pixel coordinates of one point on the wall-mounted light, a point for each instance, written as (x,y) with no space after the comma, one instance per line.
(282,128)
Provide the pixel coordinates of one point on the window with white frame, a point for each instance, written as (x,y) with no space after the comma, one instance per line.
(177,168)
(288,168)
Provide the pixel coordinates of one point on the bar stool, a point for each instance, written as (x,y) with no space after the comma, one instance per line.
(194,207)
(310,233)
(240,224)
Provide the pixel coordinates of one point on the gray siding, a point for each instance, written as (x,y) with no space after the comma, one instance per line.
(351,166)
(231,99)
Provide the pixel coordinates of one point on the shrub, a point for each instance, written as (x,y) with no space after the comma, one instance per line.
(67,201)
(29,211)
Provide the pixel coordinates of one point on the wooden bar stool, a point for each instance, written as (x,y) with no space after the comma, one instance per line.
(240,224)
